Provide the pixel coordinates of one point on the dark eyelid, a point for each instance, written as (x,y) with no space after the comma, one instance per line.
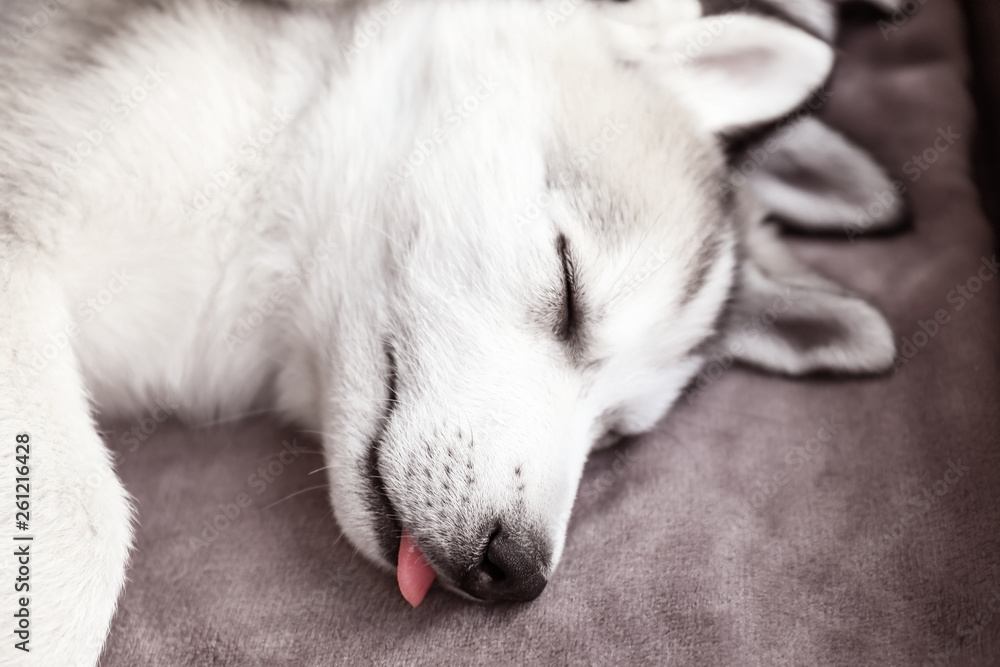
(569,319)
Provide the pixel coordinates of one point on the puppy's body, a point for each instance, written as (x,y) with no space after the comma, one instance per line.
(466,252)
(197,247)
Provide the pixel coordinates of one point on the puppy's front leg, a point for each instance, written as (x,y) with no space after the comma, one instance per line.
(57,485)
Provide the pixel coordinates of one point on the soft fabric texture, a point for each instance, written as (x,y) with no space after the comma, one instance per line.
(766,521)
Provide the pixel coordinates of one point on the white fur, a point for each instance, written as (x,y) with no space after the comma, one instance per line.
(717,65)
(450,266)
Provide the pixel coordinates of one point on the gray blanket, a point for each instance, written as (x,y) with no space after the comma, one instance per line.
(765,522)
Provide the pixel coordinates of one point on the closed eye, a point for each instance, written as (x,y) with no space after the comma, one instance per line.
(568,327)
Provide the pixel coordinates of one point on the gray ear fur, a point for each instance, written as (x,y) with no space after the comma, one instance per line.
(813,178)
(787,318)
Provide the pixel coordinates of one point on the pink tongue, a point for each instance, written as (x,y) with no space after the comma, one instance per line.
(415,576)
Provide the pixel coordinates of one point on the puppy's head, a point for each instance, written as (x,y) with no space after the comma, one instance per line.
(550,274)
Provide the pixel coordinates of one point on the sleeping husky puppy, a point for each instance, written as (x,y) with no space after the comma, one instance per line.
(467,240)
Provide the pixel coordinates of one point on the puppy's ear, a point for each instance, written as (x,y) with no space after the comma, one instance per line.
(887,6)
(788,319)
(734,70)
(813,178)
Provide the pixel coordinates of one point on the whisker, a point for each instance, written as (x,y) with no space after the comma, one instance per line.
(637,249)
(730,411)
(270,457)
(232,418)
(311,488)
(310,432)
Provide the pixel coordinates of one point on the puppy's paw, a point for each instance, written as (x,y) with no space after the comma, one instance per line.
(74,562)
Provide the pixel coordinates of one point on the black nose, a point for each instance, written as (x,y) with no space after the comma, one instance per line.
(510,569)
